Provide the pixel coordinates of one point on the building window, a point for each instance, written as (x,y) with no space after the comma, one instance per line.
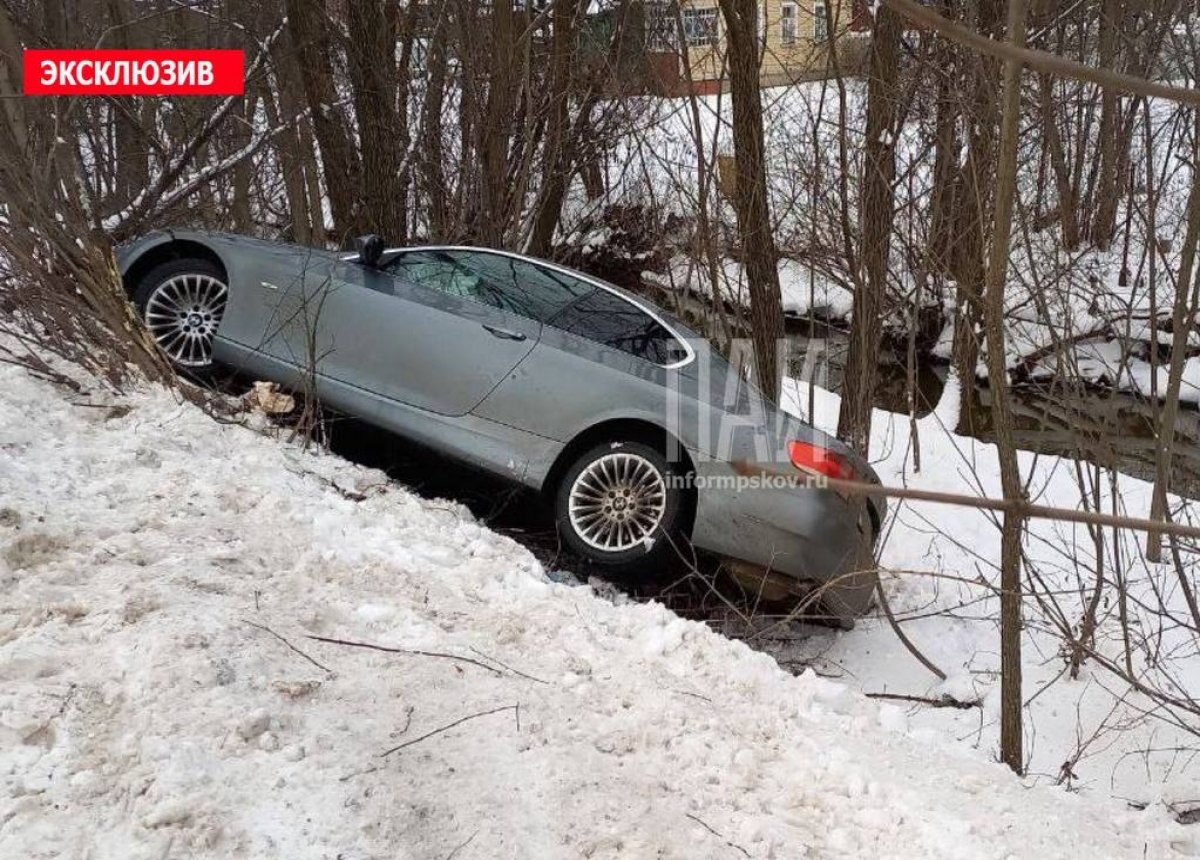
(787,24)
(700,27)
(660,26)
(820,22)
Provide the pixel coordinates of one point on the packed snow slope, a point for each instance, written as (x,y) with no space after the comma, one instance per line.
(160,696)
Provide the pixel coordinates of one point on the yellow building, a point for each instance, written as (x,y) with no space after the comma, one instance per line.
(685,41)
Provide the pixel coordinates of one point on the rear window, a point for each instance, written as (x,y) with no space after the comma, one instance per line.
(611,320)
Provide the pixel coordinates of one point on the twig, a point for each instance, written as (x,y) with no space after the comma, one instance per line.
(408,713)
(1020,507)
(266,629)
(705,825)
(1042,61)
(460,846)
(447,727)
(902,636)
(506,666)
(408,651)
(944,701)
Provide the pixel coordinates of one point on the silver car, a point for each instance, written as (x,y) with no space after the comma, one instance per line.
(640,433)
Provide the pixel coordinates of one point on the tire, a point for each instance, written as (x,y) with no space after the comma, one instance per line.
(597,520)
(182,302)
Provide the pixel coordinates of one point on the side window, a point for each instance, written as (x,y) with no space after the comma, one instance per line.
(492,279)
(613,321)
(437,270)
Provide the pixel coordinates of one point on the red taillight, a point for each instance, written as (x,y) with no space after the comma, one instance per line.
(820,461)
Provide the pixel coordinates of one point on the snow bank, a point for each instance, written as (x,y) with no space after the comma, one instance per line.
(155,561)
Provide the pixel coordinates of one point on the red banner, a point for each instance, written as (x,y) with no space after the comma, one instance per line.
(133,73)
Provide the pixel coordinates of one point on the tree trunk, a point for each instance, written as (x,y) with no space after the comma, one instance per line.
(1067,207)
(373,38)
(753,210)
(291,168)
(132,153)
(1011,702)
(879,170)
(240,210)
(1187,301)
(947,147)
(1106,196)
(12,103)
(556,157)
(970,219)
(338,157)
(431,171)
(496,129)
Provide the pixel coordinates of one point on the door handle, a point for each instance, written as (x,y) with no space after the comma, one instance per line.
(507,334)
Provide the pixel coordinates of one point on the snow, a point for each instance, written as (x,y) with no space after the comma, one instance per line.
(802,289)
(1110,362)
(939,565)
(160,695)
(1052,296)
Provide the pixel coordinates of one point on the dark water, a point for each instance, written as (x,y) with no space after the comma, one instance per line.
(1110,428)
(817,353)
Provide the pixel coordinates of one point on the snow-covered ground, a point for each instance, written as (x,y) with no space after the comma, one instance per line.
(940,567)
(160,695)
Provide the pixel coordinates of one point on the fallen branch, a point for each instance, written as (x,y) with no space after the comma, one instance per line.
(1025,509)
(409,651)
(449,726)
(943,701)
(1041,61)
(706,826)
(902,636)
(506,666)
(266,629)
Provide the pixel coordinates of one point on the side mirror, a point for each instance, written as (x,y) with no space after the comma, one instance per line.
(370,249)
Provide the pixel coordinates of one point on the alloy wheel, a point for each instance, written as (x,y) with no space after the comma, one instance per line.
(617,502)
(183,313)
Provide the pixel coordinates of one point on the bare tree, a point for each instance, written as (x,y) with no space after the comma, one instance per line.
(309,34)
(1187,301)
(754,217)
(879,169)
(1011,702)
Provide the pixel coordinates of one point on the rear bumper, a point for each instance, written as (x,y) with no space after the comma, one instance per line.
(813,537)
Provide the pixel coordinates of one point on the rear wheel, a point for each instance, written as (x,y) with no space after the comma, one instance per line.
(182,303)
(620,505)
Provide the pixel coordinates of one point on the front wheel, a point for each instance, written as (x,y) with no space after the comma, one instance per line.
(620,505)
(182,302)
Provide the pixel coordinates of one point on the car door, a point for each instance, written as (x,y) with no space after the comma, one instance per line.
(425,345)
(439,329)
(601,354)
(432,345)
(433,328)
